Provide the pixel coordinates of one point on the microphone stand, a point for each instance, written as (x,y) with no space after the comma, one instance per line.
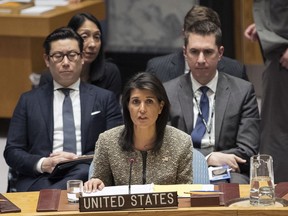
(131,160)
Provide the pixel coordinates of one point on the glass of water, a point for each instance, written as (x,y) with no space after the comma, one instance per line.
(262,180)
(74,188)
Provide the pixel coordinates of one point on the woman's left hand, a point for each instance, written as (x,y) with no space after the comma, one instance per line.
(93,185)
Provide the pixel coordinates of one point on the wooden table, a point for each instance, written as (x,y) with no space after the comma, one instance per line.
(21,52)
(28,202)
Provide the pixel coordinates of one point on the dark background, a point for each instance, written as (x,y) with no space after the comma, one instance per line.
(131,63)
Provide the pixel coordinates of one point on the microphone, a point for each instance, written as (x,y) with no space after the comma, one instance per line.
(131,161)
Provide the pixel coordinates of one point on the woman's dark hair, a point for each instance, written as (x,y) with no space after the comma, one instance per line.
(61,34)
(144,81)
(98,64)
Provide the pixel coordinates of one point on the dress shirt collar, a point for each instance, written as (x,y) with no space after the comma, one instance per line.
(74,86)
(212,84)
(187,69)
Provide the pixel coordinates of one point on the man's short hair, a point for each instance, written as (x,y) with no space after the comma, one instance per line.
(61,34)
(204,28)
(200,13)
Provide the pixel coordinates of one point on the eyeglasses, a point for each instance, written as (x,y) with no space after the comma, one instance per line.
(59,56)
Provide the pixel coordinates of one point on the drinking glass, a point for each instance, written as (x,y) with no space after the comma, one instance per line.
(74,188)
(262,180)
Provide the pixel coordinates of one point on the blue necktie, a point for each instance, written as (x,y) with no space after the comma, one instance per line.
(69,142)
(200,128)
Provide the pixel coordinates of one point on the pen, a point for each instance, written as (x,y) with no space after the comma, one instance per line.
(204,192)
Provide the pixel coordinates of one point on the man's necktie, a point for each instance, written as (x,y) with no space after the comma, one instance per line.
(200,128)
(69,144)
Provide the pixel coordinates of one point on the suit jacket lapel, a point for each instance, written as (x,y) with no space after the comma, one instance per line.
(45,98)
(222,97)
(86,101)
(178,63)
(220,66)
(185,95)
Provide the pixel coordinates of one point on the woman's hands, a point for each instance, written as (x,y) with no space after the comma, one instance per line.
(93,185)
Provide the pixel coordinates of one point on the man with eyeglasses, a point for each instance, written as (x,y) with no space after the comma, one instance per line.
(218,110)
(60,120)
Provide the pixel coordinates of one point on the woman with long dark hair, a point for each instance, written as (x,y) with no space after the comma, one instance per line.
(96,70)
(160,154)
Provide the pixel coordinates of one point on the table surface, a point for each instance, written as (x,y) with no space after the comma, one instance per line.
(27,201)
(40,25)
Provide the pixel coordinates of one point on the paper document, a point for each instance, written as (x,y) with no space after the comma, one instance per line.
(21,1)
(51,2)
(123,189)
(37,9)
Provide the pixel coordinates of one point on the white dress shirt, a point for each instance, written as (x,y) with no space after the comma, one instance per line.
(208,139)
(58,136)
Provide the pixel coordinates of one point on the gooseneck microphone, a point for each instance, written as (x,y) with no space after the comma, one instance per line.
(131,161)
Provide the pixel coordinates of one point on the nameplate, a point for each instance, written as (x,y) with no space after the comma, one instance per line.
(128,201)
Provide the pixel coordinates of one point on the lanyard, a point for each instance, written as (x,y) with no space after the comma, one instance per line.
(208,127)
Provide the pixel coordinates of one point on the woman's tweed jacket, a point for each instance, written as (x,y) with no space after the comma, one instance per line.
(172,165)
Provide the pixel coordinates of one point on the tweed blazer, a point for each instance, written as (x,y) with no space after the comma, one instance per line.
(172,165)
(236,114)
(171,66)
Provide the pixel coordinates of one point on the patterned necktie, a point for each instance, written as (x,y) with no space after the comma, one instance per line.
(200,128)
(69,142)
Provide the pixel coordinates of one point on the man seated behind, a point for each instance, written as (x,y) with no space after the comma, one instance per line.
(219,111)
(38,138)
(173,65)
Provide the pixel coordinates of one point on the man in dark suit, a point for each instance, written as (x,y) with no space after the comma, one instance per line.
(271,31)
(231,129)
(173,65)
(36,137)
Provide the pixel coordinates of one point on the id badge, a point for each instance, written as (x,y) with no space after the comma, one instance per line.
(219,173)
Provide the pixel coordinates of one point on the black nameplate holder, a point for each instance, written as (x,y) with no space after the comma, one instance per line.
(205,200)
(128,201)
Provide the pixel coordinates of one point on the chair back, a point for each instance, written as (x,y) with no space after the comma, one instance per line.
(12,180)
(90,170)
(200,168)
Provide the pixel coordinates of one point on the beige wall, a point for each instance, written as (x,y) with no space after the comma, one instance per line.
(245,51)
